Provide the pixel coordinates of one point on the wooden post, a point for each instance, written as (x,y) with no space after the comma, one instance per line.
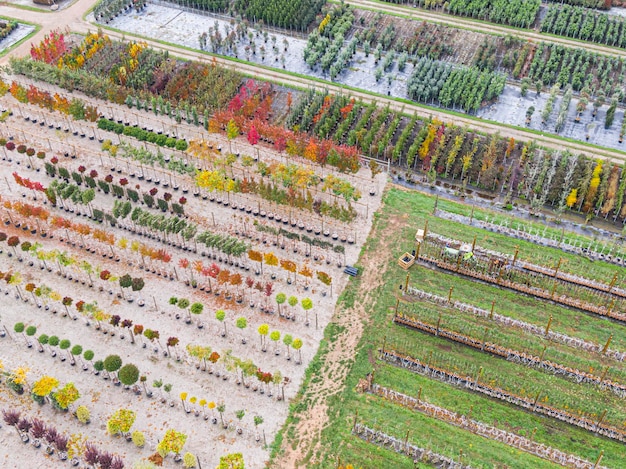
(430,357)
(604,374)
(474,243)
(438,324)
(601,419)
(425,230)
(606,346)
(397,303)
(406,284)
(515,256)
(384,343)
(356,415)
(472,215)
(417,251)
(562,234)
(458,261)
(536,399)
(493,304)
(556,272)
(406,439)
(548,326)
(612,284)
(419,394)
(542,353)
(610,308)
(450,294)
(469,414)
(532,435)
(436,202)
(597,464)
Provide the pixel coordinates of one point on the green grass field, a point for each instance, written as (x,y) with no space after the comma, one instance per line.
(340,445)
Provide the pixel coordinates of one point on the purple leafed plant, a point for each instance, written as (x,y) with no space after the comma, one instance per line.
(38,429)
(11,417)
(105,460)
(51,435)
(61,442)
(117,463)
(24,425)
(92,455)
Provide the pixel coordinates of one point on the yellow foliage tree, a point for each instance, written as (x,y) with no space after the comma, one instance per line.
(571,198)
(270,258)
(45,385)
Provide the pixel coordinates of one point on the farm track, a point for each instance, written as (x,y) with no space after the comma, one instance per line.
(72,19)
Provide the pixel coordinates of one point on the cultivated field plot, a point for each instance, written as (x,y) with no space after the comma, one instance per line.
(156,268)
(455,369)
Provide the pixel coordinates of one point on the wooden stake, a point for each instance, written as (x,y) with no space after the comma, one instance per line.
(356,415)
(384,343)
(610,308)
(436,202)
(425,229)
(548,326)
(556,272)
(542,353)
(469,414)
(450,294)
(606,346)
(406,284)
(493,304)
(612,284)
(419,394)
(601,418)
(438,324)
(515,255)
(474,243)
(536,399)
(604,374)
(397,303)
(472,215)
(532,435)
(406,438)
(597,464)
(417,251)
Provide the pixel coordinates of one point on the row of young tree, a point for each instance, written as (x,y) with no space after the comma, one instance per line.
(460,86)
(585,24)
(553,63)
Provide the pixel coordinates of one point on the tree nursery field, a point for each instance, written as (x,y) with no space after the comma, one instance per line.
(202,268)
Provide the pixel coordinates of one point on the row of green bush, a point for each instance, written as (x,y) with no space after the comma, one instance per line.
(143,135)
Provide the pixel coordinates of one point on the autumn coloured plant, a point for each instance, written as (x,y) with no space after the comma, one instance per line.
(50,48)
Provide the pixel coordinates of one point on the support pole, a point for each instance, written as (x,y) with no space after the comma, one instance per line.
(597,464)
(548,326)
(493,304)
(606,346)
(450,294)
